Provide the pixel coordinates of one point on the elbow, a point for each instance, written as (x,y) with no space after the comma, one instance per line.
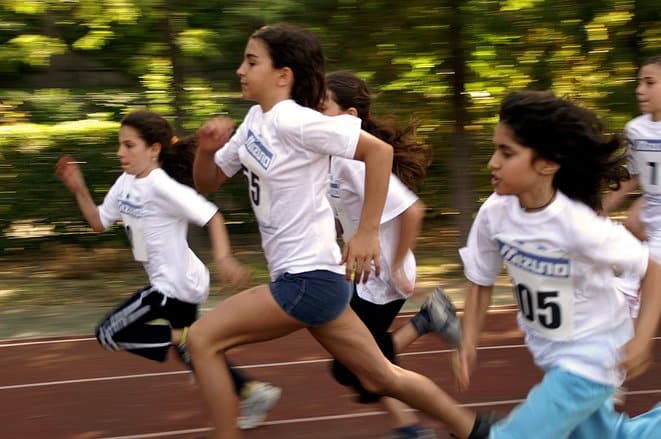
(98,228)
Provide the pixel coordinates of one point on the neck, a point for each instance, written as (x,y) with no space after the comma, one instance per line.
(540,206)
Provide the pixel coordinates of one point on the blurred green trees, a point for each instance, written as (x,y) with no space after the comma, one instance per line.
(70,69)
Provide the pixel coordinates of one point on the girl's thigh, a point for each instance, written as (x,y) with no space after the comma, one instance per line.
(246,317)
(349,341)
(553,408)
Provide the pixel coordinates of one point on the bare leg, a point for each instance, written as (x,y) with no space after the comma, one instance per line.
(347,339)
(400,414)
(246,317)
(404,336)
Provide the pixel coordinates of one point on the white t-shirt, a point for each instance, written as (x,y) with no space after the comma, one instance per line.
(156,211)
(347,196)
(644,136)
(563,261)
(284,154)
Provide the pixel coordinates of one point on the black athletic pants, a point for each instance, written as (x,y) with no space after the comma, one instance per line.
(378,319)
(128,326)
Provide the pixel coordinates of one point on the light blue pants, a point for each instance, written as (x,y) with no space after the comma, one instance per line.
(565,405)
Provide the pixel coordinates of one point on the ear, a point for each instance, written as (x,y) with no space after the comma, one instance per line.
(546,167)
(156,150)
(352,111)
(285,77)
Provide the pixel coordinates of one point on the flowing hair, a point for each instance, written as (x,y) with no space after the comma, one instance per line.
(558,130)
(411,157)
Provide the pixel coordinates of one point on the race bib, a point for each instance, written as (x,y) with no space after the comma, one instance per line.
(543,289)
(334,196)
(136,236)
(258,159)
(648,160)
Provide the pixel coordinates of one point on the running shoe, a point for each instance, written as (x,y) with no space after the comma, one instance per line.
(441,317)
(419,433)
(257,398)
(182,350)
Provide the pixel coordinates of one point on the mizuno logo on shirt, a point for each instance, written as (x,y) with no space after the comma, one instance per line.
(647,144)
(130,209)
(538,264)
(258,151)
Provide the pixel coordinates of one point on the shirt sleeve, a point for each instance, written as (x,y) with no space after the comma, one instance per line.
(605,242)
(109,208)
(629,134)
(227,157)
(331,135)
(481,258)
(398,199)
(184,201)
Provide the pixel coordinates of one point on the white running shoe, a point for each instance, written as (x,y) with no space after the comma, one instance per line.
(257,398)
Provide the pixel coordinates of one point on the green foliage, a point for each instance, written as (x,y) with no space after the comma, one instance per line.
(446,63)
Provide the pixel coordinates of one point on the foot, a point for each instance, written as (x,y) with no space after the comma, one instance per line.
(413,432)
(439,315)
(257,398)
(182,350)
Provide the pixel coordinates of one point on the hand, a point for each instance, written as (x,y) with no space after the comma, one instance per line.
(358,254)
(68,171)
(636,357)
(463,364)
(214,134)
(233,272)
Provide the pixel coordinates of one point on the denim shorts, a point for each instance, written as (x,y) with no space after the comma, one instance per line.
(313,297)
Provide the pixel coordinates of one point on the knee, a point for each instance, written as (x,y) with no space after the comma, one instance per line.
(377,381)
(200,342)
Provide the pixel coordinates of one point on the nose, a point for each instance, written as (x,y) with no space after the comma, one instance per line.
(493,162)
(239,71)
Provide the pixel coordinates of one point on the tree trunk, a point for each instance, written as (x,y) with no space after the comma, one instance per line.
(461,181)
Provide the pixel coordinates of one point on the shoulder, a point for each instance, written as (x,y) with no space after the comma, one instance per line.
(290,114)
(496,202)
(164,184)
(637,123)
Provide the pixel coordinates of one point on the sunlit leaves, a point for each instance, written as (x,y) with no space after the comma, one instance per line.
(95,39)
(157,82)
(30,7)
(515,5)
(36,50)
(198,43)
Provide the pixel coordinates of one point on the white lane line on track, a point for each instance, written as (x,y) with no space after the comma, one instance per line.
(244,366)
(10,343)
(333,417)
(301,420)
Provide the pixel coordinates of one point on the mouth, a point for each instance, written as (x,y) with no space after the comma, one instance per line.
(494,180)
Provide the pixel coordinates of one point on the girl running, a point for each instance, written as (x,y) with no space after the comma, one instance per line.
(549,167)
(283,147)
(154,200)
(378,301)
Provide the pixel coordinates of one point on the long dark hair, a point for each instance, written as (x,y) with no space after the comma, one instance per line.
(411,156)
(571,136)
(175,159)
(297,48)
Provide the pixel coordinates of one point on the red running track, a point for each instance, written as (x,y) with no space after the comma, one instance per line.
(71,388)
